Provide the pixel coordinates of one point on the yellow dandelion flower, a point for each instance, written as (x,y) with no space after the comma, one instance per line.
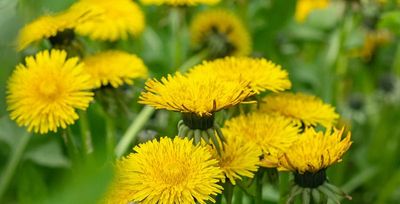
(238,158)
(50,25)
(315,151)
(301,108)
(179,2)
(372,41)
(44,93)
(272,134)
(114,19)
(115,68)
(305,7)
(261,73)
(198,94)
(221,32)
(168,171)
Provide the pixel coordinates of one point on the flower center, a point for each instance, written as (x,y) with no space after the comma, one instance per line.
(48,89)
(194,121)
(310,180)
(63,38)
(174,173)
(219,44)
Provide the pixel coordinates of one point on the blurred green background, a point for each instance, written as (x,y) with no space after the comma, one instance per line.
(327,55)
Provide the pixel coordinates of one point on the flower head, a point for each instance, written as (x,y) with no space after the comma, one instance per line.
(238,158)
(115,68)
(114,19)
(315,151)
(44,93)
(50,25)
(301,108)
(179,2)
(166,171)
(199,94)
(221,32)
(273,135)
(305,7)
(261,73)
(372,40)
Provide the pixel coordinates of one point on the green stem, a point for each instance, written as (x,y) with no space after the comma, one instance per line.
(85,132)
(177,23)
(133,129)
(13,162)
(238,197)
(259,185)
(195,59)
(70,143)
(396,61)
(110,134)
(283,186)
(228,192)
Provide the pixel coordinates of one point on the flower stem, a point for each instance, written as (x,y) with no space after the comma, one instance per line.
(177,22)
(283,187)
(228,192)
(195,59)
(133,129)
(12,164)
(70,144)
(238,197)
(110,134)
(259,185)
(85,132)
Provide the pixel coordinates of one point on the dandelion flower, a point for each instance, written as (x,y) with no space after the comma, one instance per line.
(168,171)
(179,2)
(197,94)
(273,135)
(220,32)
(44,93)
(50,25)
(114,20)
(238,158)
(327,149)
(372,41)
(115,68)
(301,108)
(305,7)
(309,157)
(261,73)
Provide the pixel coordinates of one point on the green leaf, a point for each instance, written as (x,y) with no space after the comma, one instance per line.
(391,21)
(48,154)
(31,184)
(10,132)
(85,185)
